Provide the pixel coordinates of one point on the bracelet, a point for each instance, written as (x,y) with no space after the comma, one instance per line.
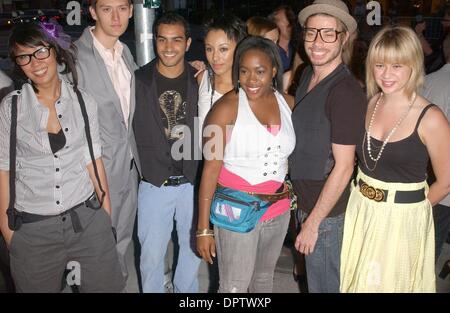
(203,235)
(207,199)
(203,232)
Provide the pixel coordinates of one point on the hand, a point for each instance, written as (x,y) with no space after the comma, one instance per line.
(306,240)
(7,235)
(108,211)
(199,66)
(206,247)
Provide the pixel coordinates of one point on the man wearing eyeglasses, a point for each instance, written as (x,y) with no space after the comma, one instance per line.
(328,120)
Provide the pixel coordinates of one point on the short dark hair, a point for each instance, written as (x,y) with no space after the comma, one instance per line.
(231,25)
(93,3)
(267,47)
(259,26)
(34,35)
(288,12)
(171,18)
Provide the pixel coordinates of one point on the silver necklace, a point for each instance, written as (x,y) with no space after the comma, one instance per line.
(386,140)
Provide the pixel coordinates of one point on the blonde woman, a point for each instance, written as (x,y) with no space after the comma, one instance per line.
(388,243)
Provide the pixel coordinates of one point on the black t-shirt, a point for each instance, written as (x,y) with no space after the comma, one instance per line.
(345,108)
(172,102)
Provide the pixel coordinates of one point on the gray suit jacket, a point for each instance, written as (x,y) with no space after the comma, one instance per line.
(118,143)
(6,85)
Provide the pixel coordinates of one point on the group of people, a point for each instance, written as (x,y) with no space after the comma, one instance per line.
(89,138)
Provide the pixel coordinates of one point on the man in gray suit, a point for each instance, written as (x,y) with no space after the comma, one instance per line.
(6,85)
(106,70)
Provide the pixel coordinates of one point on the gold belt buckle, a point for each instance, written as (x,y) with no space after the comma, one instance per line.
(371,192)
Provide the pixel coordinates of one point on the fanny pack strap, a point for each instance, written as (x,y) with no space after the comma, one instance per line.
(89,140)
(282,192)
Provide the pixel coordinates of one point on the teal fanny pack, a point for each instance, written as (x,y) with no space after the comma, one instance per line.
(240,211)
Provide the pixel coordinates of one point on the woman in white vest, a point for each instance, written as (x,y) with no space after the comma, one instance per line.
(248,137)
(222,34)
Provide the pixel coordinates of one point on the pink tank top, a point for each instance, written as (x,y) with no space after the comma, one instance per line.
(231,180)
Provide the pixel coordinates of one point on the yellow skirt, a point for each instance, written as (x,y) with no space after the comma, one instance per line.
(387,247)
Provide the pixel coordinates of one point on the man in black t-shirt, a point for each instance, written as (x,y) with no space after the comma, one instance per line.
(166,106)
(328,120)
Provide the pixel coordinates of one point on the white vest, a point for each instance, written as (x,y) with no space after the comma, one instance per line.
(253,153)
(204,102)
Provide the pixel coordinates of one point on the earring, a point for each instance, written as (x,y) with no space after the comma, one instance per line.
(238,85)
(274,83)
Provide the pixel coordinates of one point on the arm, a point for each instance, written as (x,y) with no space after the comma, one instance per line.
(103,181)
(91,108)
(337,181)
(222,114)
(5,124)
(289,100)
(435,133)
(287,79)
(4,202)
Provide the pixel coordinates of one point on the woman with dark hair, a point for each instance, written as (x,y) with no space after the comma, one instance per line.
(222,34)
(286,20)
(54,200)
(247,158)
(261,26)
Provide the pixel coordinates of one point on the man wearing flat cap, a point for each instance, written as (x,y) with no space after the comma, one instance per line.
(328,121)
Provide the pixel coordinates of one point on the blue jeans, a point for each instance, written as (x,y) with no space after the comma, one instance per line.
(441,216)
(157,208)
(323,265)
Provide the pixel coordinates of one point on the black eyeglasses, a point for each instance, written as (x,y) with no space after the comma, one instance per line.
(328,35)
(40,54)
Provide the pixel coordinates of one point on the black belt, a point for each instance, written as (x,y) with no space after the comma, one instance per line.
(92,202)
(401,196)
(172,181)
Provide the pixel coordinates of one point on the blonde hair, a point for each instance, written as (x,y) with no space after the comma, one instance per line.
(395,44)
(259,26)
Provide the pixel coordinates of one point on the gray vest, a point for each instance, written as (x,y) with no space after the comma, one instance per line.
(312,158)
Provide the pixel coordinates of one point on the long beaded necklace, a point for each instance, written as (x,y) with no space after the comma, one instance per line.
(368,136)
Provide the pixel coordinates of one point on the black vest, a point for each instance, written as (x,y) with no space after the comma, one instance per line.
(312,158)
(152,144)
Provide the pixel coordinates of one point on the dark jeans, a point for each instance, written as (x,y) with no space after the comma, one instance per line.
(441,216)
(323,265)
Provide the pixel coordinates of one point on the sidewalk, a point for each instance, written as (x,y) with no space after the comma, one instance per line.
(283,279)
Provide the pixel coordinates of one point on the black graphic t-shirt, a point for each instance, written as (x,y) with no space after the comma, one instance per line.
(172,102)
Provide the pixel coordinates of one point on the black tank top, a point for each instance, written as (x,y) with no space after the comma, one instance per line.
(57,141)
(403,161)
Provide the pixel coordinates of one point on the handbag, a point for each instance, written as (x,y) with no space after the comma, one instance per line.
(240,211)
